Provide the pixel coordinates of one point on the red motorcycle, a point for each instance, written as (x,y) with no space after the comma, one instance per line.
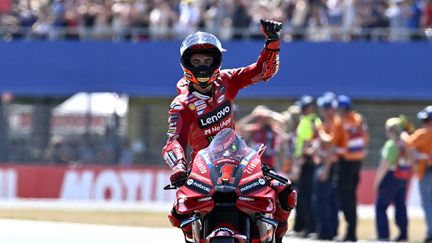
(227,193)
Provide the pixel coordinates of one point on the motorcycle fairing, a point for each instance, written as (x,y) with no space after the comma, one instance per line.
(231,184)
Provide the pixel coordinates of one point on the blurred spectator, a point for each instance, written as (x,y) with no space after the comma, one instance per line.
(5,6)
(57,152)
(324,196)
(27,16)
(414,19)
(397,14)
(127,156)
(87,149)
(162,18)
(292,118)
(189,18)
(306,138)
(121,11)
(215,16)
(421,151)
(373,19)
(240,18)
(347,173)
(263,126)
(299,18)
(427,14)
(139,20)
(335,10)
(43,28)
(391,182)
(98,17)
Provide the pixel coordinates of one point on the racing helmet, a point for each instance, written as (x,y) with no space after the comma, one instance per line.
(203,43)
(425,114)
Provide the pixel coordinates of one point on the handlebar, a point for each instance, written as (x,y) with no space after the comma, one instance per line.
(177,183)
(268,171)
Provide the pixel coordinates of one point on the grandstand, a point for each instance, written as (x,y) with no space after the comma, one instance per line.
(141,20)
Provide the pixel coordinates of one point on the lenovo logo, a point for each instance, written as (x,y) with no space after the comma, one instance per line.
(215,116)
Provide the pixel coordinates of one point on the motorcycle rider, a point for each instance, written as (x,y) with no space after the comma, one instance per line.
(204,106)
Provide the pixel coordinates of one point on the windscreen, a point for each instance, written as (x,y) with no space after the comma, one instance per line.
(227,143)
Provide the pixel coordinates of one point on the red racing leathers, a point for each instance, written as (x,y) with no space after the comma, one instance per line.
(195,119)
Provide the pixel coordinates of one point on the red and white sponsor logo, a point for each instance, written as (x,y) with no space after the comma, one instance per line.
(88,183)
(137,184)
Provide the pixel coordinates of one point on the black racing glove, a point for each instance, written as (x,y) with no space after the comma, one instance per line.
(271,29)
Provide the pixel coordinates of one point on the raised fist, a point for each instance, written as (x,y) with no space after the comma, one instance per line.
(271,29)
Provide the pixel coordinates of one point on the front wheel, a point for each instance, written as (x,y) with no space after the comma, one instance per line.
(223,240)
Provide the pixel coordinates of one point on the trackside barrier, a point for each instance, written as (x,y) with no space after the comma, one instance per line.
(120,184)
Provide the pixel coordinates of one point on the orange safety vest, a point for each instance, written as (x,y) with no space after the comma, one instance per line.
(421,141)
(336,133)
(355,136)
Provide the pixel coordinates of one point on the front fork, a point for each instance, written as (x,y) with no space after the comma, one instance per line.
(266,227)
(214,226)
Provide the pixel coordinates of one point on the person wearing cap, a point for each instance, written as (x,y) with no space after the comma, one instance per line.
(352,149)
(264,126)
(204,106)
(291,118)
(391,182)
(324,198)
(306,145)
(420,144)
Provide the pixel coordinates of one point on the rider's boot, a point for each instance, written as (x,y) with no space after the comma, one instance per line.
(176,218)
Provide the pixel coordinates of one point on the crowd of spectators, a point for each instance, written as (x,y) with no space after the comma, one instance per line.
(108,148)
(138,20)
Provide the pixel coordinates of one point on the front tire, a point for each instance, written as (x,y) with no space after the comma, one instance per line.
(223,240)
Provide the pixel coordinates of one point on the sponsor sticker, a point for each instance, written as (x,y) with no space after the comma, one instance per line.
(222,89)
(220,99)
(251,186)
(198,186)
(215,116)
(200,165)
(176,106)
